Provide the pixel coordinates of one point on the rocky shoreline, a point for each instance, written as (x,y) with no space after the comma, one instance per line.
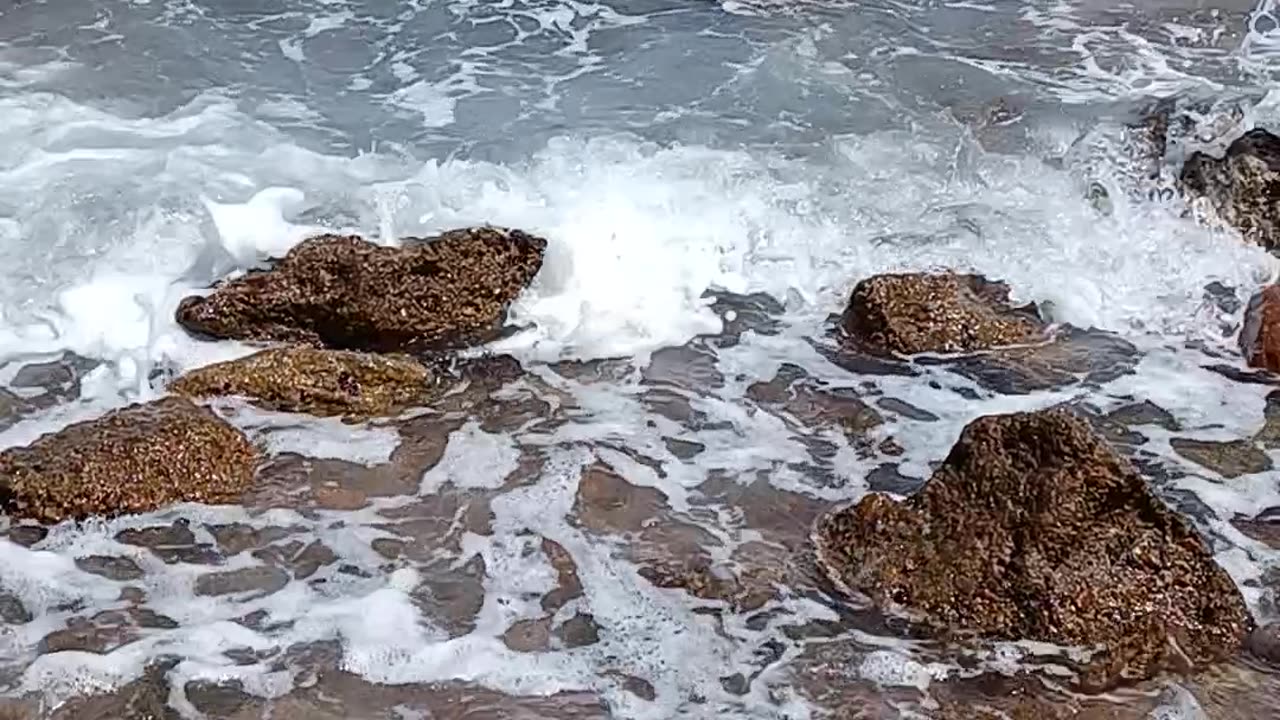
(1037,526)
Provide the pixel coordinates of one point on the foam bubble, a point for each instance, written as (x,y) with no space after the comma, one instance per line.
(473,458)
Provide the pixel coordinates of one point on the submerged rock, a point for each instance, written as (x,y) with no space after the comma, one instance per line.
(319,382)
(1230,459)
(942,313)
(1033,528)
(131,460)
(1260,335)
(1242,188)
(348,293)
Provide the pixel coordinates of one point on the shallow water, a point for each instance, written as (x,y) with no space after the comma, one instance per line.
(617,528)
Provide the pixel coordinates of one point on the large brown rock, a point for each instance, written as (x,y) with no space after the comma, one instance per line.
(316,381)
(348,293)
(1034,529)
(911,313)
(1242,187)
(131,460)
(1260,335)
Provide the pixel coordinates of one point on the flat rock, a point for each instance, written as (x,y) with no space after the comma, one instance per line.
(132,460)
(1229,459)
(1034,529)
(1242,188)
(347,293)
(317,381)
(913,313)
(261,580)
(1092,357)
(120,569)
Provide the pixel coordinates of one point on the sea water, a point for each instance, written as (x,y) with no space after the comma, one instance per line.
(672,152)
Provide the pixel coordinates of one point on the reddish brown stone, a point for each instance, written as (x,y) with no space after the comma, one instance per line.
(128,461)
(913,313)
(350,294)
(1034,529)
(1260,336)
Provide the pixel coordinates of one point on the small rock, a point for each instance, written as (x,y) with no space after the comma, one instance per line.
(133,460)
(12,611)
(147,618)
(1260,336)
(317,382)
(1034,529)
(1240,187)
(330,497)
(176,534)
(1264,643)
(580,630)
(568,585)
(1143,413)
(388,548)
(13,408)
(27,535)
(105,632)
(528,636)
(1229,459)
(683,449)
(59,379)
(1269,435)
(936,313)
(173,543)
(120,569)
(219,700)
(261,580)
(350,294)
(639,687)
(905,409)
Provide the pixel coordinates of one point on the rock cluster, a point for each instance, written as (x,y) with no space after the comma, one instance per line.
(333,301)
(1033,528)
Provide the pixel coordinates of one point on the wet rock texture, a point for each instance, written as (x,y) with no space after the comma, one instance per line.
(1242,187)
(944,312)
(319,382)
(131,460)
(1260,335)
(348,293)
(1034,529)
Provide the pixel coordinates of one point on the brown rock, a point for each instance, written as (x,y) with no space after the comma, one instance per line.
(1230,459)
(1242,187)
(528,636)
(1260,335)
(1033,528)
(943,313)
(319,382)
(259,579)
(128,461)
(348,293)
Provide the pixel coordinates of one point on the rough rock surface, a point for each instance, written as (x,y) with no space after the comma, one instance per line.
(1242,187)
(131,460)
(1033,528)
(316,381)
(944,312)
(348,293)
(1260,335)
